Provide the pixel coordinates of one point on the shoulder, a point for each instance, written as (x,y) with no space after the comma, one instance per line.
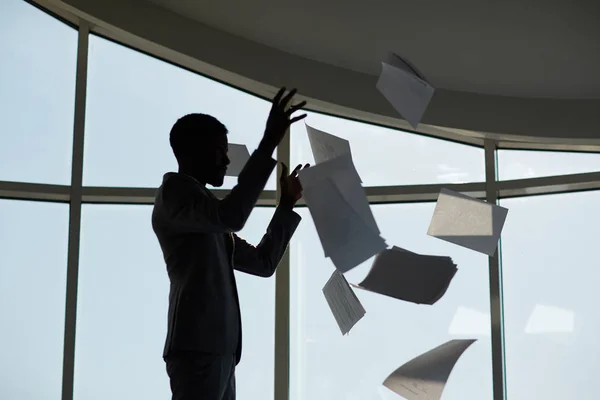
(177,187)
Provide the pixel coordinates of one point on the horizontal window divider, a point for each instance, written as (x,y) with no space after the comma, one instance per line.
(421,193)
(417,193)
(376,194)
(549,185)
(35,191)
(556,147)
(141,196)
(118,195)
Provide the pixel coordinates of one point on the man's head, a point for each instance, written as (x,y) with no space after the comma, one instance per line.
(199,142)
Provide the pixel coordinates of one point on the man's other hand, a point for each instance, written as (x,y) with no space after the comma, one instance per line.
(291,189)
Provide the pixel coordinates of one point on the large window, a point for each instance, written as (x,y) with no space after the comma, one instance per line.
(37,95)
(550,271)
(33,268)
(118,319)
(134,100)
(326,365)
(122,310)
(387,157)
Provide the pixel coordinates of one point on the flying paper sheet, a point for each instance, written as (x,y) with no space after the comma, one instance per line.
(340,209)
(343,233)
(408,276)
(467,222)
(342,164)
(238,156)
(405,65)
(405,88)
(358,250)
(343,174)
(325,146)
(424,377)
(342,301)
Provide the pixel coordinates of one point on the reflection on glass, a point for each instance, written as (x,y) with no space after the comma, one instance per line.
(33,276)
(386,157)
(134,100)
(37,93)
(326,365)
(468,322)
(522,164)
(122,310)
(548,319)
(550,278)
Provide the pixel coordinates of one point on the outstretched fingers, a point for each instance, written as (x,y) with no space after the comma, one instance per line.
(278,96)
(283,103)
(295,171)
(281,113)
(298,118)
(296,107)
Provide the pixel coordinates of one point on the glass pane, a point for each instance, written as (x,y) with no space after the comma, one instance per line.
(550,276)
(255,373)
(33,276)
(134,100)
(522,164)
(387,157)
(326,365)
(37,93)
(122,310)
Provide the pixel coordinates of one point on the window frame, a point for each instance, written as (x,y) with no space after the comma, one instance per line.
(76,194)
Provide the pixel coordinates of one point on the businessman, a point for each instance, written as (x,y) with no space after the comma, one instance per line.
(196,232)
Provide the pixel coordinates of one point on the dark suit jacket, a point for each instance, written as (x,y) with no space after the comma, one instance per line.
(196,233)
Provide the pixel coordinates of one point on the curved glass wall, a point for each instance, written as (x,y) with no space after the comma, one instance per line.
(83,288)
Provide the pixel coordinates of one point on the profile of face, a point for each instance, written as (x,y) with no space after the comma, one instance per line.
(213,160)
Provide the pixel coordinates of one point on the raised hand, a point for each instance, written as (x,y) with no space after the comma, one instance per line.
(279,118)
(291,189)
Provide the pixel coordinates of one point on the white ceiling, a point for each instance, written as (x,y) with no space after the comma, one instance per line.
(522,48)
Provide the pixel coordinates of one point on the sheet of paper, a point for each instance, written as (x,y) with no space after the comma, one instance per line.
(424,377)
(327,169)
(348,182)
(238,156)
(343,174)
(326,146)
(344,235)
(405,90)
(467,222)
(408,276)
(357,251)
(334,219)
(345,306)
(398,62)
(341,212)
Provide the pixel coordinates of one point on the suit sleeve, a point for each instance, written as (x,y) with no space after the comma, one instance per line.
(190,211)
(263,259)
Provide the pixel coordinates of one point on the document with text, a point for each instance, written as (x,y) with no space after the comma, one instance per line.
(467,222)
(424,377)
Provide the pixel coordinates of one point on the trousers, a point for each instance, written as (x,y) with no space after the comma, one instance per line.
(201,376)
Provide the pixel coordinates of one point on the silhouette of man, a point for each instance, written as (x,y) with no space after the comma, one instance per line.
(196,232)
